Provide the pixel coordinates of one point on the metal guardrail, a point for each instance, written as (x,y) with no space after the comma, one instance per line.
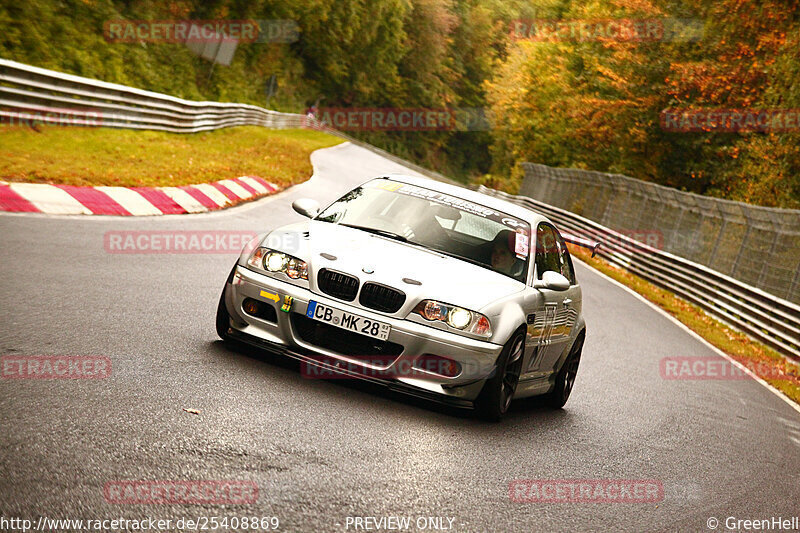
(32,93)
(757,245)
(771,320)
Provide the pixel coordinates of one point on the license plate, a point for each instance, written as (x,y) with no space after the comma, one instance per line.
(348,321)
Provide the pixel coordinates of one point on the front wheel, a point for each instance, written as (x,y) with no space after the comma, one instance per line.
(223,317)
(566,377)
(497,393)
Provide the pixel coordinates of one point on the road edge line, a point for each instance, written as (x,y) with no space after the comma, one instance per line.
(694,334)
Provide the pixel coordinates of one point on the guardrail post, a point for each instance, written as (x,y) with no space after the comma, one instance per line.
(638,222)
(677,230)
(794,283)
(713,253)
(698,232)
(658,214)
(763,272)
(604,218)
(741,249)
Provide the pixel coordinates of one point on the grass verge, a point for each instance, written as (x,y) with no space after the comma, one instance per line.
(762,360)
(102,156)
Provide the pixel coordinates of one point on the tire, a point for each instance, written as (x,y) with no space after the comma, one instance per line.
(497,393)
(223,317)
(566,377)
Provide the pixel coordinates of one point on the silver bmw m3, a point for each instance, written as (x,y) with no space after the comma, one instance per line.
(424,287)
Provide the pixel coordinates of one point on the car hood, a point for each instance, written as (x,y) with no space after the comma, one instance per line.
(392,263)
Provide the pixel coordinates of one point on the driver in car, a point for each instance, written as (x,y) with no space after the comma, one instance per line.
(503,258)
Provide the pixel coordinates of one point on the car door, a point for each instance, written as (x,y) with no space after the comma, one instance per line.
(533,304)
(555,315)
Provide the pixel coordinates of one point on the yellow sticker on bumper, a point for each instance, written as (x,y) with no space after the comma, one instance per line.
(270,296)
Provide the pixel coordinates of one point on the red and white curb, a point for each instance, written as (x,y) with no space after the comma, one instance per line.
(131,201)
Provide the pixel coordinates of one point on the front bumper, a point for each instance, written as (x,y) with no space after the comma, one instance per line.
(287,332)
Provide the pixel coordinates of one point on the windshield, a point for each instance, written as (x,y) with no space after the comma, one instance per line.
(438,221)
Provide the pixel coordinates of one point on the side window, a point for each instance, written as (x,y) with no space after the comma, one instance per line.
(552,253)
(566,261)
(547,252)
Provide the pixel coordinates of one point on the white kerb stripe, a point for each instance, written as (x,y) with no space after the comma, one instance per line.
(236,189)
(212,192)
(254,184)
(132,201)
(50,199)
(184,199)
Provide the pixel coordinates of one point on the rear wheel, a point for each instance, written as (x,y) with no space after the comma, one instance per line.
(497,393)
(566,377)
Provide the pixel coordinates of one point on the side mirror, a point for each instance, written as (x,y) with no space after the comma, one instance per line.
(306,207)
(553,281)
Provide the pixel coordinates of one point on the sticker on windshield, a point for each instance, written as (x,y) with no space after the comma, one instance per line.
(450,201)
(386,185)
(456,203)
(521,244)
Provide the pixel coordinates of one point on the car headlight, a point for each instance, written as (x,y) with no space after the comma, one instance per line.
(272,261)
(459,318)
(455,317)
(275,262)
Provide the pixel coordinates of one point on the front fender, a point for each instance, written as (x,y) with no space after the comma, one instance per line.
(578,330)
(506,316)
(248,249)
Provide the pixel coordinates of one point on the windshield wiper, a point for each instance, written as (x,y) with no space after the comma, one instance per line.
(464,258)
(402,238)
(376,231)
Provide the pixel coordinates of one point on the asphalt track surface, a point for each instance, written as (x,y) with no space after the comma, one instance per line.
(320,451)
